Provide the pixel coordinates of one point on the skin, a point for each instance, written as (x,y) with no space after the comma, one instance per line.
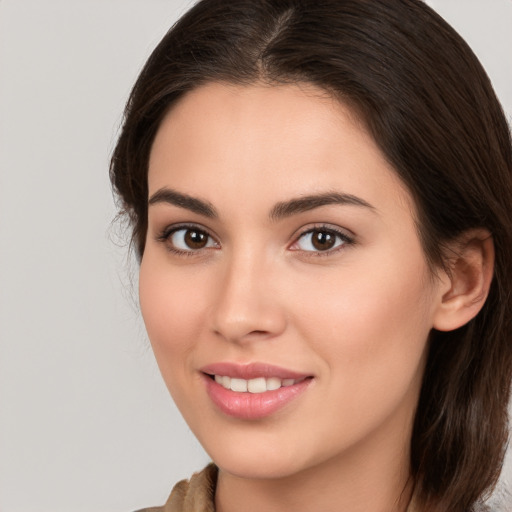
(356,318)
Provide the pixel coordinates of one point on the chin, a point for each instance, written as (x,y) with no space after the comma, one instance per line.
(257,461)
(257,468)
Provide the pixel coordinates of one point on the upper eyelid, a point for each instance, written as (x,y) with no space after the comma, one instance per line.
(325,226)
(172,228)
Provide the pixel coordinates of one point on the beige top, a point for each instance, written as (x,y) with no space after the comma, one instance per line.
(194,495)
(198,494)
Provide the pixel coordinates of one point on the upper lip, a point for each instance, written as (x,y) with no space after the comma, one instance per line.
(251,371)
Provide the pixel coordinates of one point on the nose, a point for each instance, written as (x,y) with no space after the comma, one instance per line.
(248,305)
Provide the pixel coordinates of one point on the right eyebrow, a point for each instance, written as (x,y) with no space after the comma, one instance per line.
(169,196)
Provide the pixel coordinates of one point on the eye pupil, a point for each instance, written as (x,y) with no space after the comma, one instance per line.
(322,240)
(196,239)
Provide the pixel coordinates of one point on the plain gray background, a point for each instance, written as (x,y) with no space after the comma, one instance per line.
(86,424)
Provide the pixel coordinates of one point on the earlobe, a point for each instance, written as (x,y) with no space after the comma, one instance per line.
(468,277)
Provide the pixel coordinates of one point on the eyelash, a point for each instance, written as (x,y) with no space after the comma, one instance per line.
(166,234)
(342,236)
(346,240)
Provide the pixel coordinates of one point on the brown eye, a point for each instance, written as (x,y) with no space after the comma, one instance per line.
(189,240)
(321,240)
(195,239)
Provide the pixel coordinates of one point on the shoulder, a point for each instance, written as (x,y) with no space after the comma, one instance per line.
(194,495)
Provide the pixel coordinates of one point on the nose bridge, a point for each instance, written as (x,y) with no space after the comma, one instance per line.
(246,305)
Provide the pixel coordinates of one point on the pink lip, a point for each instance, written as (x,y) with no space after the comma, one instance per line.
(252,406)
(251,371)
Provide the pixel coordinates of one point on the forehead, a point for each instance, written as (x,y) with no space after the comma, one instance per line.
(286,139)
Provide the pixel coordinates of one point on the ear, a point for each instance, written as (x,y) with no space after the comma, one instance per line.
(467,279)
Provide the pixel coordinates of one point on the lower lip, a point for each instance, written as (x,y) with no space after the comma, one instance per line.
(253,406)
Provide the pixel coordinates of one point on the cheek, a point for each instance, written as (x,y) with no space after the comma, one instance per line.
(172,308)
(370,328)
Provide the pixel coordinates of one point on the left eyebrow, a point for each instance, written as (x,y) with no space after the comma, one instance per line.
(304,204)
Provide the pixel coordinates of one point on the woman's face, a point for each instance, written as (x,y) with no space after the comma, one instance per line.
(282,257)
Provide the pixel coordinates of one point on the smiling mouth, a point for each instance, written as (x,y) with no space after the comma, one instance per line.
(254,390)
(254,398)
(256,385)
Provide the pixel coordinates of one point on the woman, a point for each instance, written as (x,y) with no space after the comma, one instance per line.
(320,198)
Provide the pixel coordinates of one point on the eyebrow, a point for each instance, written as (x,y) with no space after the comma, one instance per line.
(166,195)
(304,204)
(279,211)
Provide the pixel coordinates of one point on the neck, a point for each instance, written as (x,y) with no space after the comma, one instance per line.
(370,478)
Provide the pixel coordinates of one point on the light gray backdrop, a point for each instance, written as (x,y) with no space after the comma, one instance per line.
(85,421)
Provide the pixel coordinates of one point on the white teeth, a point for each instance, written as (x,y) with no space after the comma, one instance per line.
(239,385)
(273,383)
(257,385)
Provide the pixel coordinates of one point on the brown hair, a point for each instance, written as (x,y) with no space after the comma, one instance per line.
(430,106)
